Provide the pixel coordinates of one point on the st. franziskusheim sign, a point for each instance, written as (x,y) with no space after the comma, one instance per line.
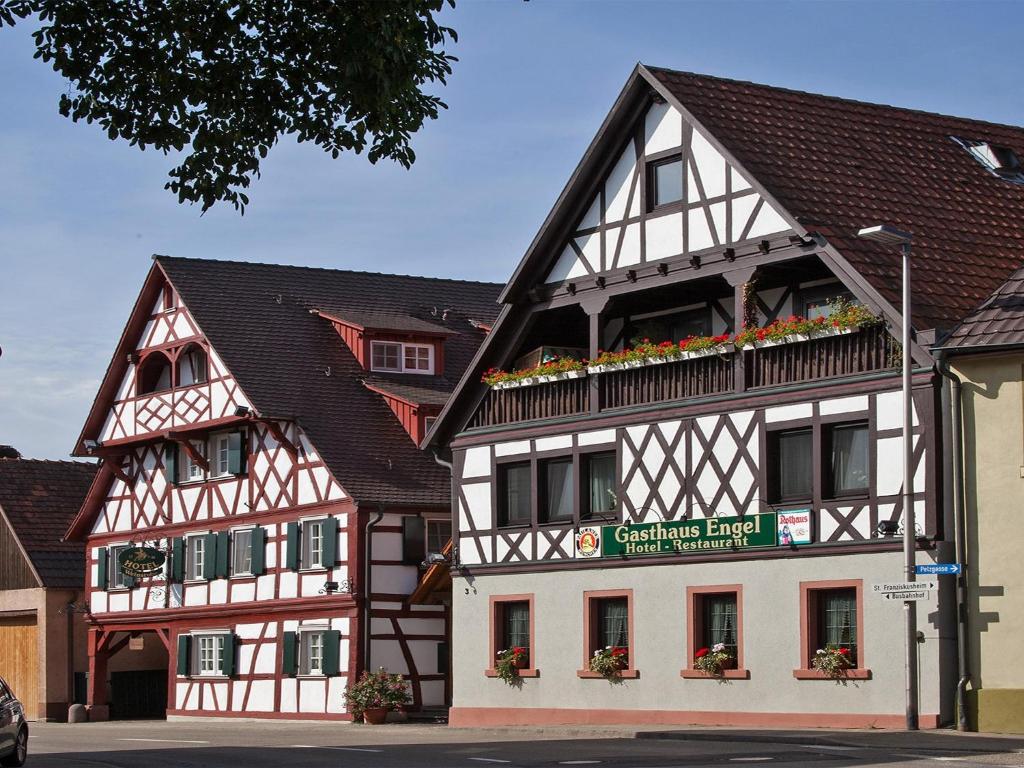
(699,535)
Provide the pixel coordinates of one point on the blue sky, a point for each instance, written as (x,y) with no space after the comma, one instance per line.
(81,215)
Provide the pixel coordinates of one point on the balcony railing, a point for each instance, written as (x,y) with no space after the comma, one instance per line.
(866,350)
(863,351)
(540,401)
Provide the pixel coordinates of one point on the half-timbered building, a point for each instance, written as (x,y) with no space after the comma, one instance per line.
(258,428)
(712,456)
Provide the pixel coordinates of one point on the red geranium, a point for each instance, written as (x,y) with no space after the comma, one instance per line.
(701,653)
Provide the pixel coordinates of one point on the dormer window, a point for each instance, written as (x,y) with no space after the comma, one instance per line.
(192,367)
(399,357)
(1000,161)
(154,374)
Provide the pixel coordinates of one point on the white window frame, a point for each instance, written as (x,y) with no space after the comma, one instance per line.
(216,646)
(219,454)
(403,349)
(306,638)
(306,555)
(234,542)
(115,579)
(190,560)
(189,471)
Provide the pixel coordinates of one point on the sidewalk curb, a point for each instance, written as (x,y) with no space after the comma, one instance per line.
(885,740)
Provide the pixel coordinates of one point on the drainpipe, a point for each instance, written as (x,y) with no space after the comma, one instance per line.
(959,536)
(367,592)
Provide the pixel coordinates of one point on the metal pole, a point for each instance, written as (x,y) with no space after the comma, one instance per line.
(909,522)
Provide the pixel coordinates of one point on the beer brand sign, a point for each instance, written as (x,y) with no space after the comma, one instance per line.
(141,561)
(713,534)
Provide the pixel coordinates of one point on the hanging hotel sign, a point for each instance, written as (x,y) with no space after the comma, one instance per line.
(141,561)
(676,536)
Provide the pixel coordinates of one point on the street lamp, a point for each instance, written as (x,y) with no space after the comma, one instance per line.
(884,233)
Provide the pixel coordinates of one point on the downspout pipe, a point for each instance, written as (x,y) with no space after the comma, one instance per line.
(367,581)
(956,468)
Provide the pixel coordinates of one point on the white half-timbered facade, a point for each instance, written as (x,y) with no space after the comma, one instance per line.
(248,433)
(713,458)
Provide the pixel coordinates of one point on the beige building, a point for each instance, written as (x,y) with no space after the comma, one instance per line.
(40,576)
(987,354)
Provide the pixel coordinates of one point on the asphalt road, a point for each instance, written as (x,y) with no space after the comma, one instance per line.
(252,744)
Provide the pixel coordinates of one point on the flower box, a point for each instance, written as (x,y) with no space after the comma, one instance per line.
(795,338)
(534,380)
(720,349)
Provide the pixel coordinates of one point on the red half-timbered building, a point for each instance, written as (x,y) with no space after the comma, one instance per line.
(258,426)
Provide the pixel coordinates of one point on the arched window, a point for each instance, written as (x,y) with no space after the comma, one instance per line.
(192,366)
(154,374)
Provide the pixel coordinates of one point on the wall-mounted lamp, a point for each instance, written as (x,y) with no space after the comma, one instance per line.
(887,528)
(90,445)
(241,410)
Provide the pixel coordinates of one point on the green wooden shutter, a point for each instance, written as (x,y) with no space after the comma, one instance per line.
(129,581)
(330,554)
(292,550)
(414,540)
(237,464)
(210,556)
(332,652)
(229,659)
(223,551)
(178,560)
(184,654)
(171,462)
(259,551)
(289,655)
(102,568)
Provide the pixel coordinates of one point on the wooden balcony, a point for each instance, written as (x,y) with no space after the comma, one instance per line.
(676,380)
(540,401)
(864,351)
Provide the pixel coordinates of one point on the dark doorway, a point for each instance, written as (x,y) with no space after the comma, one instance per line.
(138,695)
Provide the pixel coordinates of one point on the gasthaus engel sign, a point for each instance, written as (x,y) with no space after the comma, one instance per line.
(714,533)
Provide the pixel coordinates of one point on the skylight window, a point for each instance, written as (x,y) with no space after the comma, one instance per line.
(999,161)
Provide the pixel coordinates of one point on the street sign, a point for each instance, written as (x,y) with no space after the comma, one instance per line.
(941,569)
(917,594)
(907,586)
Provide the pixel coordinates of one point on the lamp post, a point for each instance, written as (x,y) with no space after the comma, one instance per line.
(884,233)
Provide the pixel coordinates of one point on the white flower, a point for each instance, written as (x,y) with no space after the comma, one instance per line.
(718,647)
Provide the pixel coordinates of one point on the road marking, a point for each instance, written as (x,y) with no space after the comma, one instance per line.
(940,759)
(168,741)
(579,762)
(828,746)
(343,749)
(488,760)
(749,759)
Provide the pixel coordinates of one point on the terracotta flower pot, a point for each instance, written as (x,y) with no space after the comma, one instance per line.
(375,715)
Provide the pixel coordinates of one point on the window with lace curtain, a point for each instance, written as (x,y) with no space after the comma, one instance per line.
(720,621)
(837,620)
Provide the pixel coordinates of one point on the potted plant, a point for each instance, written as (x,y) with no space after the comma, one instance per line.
(714,660)
(553,369)
(610,661)
(832,661)
(508,663)
(375,694)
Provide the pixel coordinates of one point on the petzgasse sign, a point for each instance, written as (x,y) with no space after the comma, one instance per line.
(701,535)
(140,561)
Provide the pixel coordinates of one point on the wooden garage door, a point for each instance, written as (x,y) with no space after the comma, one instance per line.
(19,661)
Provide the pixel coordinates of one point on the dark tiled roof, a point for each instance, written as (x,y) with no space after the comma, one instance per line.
(840,165)
(422,390)
(39,499)
(999,320)
(391,321)
(258,319)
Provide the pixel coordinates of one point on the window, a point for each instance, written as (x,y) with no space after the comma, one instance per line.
(167,298)
(512,627)
(241,552)
(190,470)
(556,502)
(116,578)
(401,358)
(219,456)
(514,494)
(195,557)
(665,181)
(817,302)
(439,532)
(598,493)
(830,615)
(192,366)
(385,356)
(714,615)
(154,374)
(209,654)
(849,466)
(313,544)
(428,423)
(608,622)
(669,326)
(791,464)
(311,653)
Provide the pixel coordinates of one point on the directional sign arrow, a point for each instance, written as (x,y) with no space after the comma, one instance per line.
(906,586)
(921,594)
(941,569)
